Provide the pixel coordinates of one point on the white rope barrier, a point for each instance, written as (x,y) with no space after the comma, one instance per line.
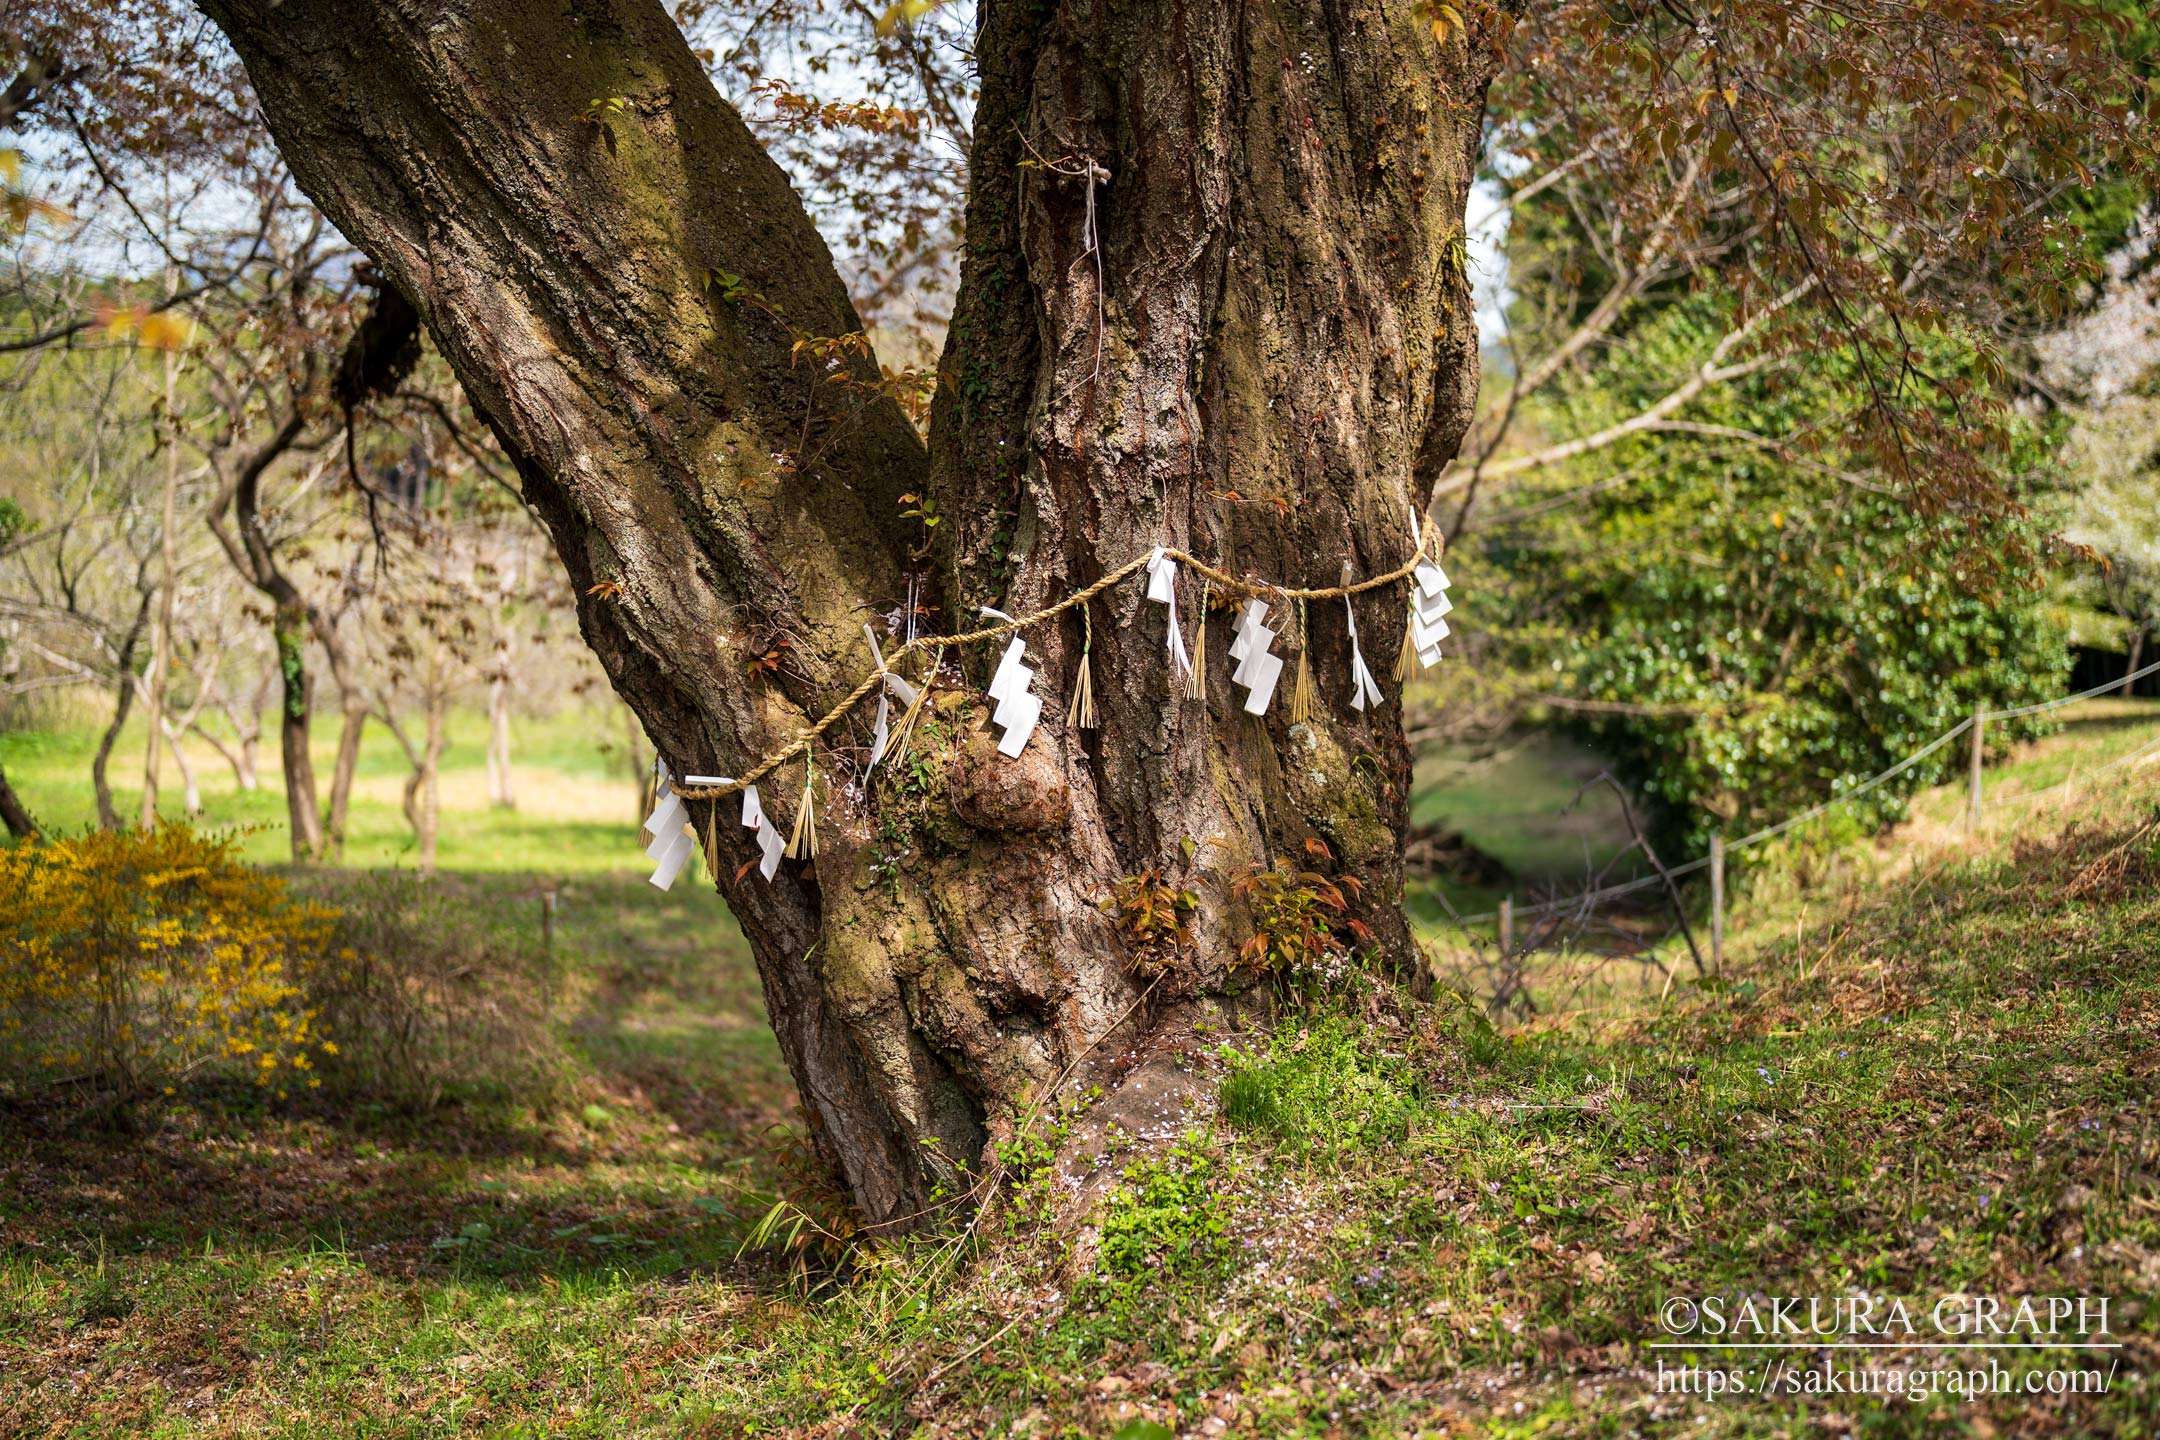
(2123,684)
(1873,782)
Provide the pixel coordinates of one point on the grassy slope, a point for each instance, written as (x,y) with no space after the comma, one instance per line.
(1942,1078)
(1525,805)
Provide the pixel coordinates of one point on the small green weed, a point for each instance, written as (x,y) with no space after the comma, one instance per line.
(1324,1086)
(1164,1219)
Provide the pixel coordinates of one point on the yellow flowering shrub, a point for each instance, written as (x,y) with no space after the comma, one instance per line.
(136,958)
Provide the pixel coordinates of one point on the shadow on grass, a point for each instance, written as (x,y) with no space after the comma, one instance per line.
(641,1159)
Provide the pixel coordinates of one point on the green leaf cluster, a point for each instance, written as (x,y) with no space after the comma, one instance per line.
(1772,622)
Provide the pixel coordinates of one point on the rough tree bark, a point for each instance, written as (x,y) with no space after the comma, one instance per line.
(1278,358)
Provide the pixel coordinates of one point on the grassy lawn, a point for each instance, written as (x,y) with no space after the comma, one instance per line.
(576,807)
(1933,1068)
(1519,805)
(237,1266)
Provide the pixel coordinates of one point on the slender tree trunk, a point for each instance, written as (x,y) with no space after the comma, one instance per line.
(248,768)
(13,813)
(123,702)
(502,794)
(191,793)
(427,818)
(410,798)
(161,640)
(250,734)
(290,623)
(350,734)
(2137,658)
(1213,297)
(154,726)
(244,754)
(289,632)
(100,781)
(235,755)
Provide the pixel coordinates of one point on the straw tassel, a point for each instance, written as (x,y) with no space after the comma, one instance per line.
(712,841)
(1406,660)
(904,732)
(1081,714)
(802,842)
(1196,682)
(1301,697)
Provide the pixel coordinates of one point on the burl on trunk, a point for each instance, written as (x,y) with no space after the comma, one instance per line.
(1212,297)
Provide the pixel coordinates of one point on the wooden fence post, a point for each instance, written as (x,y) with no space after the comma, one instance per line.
(1979,747)
(1507,927)
(1717,904)
(547,950)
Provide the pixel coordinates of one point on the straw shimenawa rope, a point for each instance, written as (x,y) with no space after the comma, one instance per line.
(923,643)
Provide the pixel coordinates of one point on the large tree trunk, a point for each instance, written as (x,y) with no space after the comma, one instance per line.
(1280,355)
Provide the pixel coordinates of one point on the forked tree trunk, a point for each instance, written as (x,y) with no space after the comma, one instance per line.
(248,546)
(1279,358)
(244,754)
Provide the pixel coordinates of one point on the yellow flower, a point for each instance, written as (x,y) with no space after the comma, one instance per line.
(80,917)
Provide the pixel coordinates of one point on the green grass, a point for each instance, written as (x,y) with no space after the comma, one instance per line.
(576,808)
(1934,1067)
(2093,734)
(1519,806)
(397,1271)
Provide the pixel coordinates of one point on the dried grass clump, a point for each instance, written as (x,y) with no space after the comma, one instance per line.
(426,1000)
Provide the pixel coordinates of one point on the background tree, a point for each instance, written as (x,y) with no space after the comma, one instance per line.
(2115,448)
(2104,368)
(13,813)
(1766,262)
(83,578)
(1743,619)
